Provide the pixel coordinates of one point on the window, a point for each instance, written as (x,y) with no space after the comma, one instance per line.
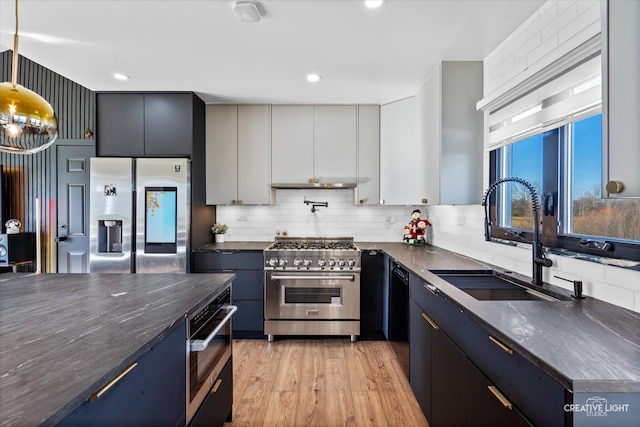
(565,167)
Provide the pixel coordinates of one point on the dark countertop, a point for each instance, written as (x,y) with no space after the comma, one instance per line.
(587,345)
(64,336)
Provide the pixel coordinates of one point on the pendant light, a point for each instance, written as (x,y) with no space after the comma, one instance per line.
(28,123)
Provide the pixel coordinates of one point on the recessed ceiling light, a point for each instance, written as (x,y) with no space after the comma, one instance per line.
(120,76)
(373,4)
(313,77)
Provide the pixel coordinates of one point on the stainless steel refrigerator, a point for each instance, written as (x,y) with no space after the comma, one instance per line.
(139,213)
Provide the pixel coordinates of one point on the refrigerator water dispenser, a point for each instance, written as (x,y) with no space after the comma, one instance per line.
(110,236)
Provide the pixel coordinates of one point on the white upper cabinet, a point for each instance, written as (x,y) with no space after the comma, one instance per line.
(222,154)
(292,143)
(368,190)
(450,131)
(254,155)
(335,135)
(431,145)
(238,152)
(314,144)
(401,158)
(622,99)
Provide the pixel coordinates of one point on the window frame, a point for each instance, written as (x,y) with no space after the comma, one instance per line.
(556,176)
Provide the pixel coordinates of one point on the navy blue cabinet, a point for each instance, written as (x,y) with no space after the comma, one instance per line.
(372,283)
(216,407)
(149,392)
(148,124)
(473,379)
(247,290)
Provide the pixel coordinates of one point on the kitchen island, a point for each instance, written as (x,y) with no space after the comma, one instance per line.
(65,336)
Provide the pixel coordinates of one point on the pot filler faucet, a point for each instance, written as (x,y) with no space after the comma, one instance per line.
(539,259)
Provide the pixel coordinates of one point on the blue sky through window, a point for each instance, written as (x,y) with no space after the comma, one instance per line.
(587,157)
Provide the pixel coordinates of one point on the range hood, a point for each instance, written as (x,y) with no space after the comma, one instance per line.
(316,185)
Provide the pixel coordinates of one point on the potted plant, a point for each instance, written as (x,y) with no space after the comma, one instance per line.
(218,229)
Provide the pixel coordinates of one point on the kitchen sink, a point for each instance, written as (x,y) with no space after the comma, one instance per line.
(491,285)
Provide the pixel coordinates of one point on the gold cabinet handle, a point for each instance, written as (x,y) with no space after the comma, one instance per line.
(216,386)
(614,187)
(113,382)
(362,201)
(316,180)
(234,202)
(240,202)
(431,288)
(500,397)
(425,200)
(433,324)
(501,345)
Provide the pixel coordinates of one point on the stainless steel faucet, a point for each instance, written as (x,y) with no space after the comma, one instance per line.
(539,259)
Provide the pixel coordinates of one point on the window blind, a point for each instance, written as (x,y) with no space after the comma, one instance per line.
(564,92)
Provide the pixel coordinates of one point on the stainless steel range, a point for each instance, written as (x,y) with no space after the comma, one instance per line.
(312,287)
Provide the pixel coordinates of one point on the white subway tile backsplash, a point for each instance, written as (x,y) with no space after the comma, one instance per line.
(543,50)
(616,285)
(585,5)
(340,218)
(545,18)
(612,294)
(568,23)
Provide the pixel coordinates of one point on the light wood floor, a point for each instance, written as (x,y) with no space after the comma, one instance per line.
(320,382)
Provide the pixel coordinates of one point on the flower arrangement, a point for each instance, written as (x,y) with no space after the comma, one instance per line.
(219,228)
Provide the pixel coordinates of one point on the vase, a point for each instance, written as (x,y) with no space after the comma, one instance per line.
(219,238)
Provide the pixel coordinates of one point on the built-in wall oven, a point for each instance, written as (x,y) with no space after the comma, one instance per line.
(209,348)
(312,287)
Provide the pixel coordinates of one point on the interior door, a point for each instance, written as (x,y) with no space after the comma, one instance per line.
(73,207)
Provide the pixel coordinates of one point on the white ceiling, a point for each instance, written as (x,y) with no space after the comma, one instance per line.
(363,55)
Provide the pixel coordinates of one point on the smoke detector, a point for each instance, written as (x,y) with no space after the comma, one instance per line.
(247,12)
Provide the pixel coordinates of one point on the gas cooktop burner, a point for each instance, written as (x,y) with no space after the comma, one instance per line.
(318,253)
(313,245)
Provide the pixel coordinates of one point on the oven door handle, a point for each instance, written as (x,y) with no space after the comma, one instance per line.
(200,345)
(347,277)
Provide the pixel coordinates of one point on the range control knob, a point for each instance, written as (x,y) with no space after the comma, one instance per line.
(273,262)
(332,263)
(341,263)
(322,262)
(351,262)
(282,262)
(297,262)
(306,262)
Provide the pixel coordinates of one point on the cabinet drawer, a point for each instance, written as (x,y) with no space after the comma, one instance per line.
(216,408)
(524,384)
(444,312)
(151,392)
(207,261)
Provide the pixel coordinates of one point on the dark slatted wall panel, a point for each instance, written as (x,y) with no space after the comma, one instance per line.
(29,177)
